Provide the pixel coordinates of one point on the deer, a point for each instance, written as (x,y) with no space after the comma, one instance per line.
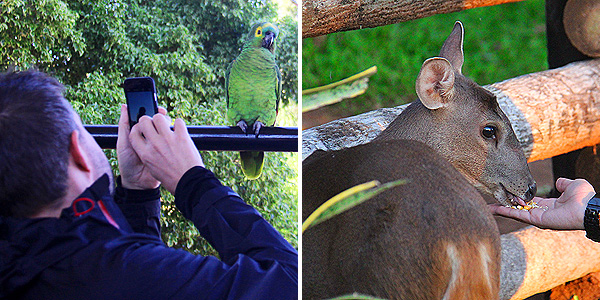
(432,237)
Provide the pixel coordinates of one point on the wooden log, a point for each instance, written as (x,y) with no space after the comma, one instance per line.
(560,53)
(552,112)
(324,17)
(535,260)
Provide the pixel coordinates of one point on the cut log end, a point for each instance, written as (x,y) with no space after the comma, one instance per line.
(582,25)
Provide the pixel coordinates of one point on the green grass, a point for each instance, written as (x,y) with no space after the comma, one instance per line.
(501,42)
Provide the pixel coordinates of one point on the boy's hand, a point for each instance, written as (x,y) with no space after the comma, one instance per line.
(167,154)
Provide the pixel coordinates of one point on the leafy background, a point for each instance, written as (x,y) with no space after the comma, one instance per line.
(91,46)
(501,42)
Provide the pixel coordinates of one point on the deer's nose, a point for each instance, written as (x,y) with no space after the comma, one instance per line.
(531,191)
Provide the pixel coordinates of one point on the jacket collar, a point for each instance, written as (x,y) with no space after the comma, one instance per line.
(29,246)
(97,203)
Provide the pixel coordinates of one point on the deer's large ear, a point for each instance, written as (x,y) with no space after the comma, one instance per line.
(435,83)
(452,50)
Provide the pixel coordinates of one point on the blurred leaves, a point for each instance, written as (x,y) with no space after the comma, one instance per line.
(43,33)
(347,200)
(335,92)
(91,46)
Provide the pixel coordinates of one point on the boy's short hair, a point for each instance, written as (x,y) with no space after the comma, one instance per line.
(36,122)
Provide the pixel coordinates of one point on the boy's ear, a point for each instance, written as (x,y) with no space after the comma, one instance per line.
(78,153)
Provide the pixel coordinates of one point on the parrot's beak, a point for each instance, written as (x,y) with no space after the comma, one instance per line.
(269,40)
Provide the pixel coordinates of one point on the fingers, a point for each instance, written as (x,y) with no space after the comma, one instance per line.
(151,130)
(563,183)
(162,124)
(167,154)
(570,188)
(136,136)
(123,122)
(518,214)
(162,110)
(179,128)
(545,202)
(565,212)
(124,118)
(123,129)
(146,127)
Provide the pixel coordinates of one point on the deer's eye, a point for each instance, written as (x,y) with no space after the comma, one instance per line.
(489,132)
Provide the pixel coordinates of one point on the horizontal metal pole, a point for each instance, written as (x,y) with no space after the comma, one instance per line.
(217,138)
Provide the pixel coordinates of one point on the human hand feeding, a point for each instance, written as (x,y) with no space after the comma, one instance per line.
(565,212)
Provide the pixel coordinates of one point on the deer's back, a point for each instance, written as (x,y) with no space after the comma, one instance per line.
(431,238)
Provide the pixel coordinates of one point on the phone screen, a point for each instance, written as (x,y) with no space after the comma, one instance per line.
(139,104)
(141,98)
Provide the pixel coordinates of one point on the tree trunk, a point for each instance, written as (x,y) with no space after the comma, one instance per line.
(552,112)
(329,16)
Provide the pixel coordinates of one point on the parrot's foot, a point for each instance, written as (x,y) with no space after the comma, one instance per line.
(257,126)
(242,125)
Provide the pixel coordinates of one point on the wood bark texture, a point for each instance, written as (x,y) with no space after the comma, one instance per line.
(552,112)
(536,260)
(561,108)
(320,17)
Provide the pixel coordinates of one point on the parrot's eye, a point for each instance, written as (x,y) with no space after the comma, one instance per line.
(258,32)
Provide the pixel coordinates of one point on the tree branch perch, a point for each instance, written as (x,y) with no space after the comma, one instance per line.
(329,16)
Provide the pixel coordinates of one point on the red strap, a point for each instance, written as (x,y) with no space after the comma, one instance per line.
(77,214)
(102,208)
(107,215)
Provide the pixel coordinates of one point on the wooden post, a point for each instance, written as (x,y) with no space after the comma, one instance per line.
(320,17)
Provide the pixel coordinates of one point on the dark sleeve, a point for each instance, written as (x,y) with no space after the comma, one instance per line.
(257,262)
(141,208)
(238,232)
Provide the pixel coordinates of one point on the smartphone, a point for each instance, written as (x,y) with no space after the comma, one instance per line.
(140,93)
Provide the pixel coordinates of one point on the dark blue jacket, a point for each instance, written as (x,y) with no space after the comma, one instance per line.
(96,250)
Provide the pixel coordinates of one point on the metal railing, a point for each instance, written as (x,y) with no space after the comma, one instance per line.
(217,138)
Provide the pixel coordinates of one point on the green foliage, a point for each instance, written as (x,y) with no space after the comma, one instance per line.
(350,87)
(287,58)
(43,34)
(501,42)
(93,45)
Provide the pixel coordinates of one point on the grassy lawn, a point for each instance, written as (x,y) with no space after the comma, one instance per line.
(501,42)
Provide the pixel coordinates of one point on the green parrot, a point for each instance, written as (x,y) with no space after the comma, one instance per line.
(253,86)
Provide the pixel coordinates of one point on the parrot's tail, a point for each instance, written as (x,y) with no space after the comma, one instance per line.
(252,163)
